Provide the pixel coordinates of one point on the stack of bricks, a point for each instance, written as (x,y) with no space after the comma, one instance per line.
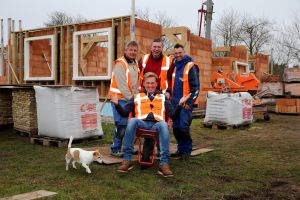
(40,58)
(291,106)
(292,81)
(24,110)
(200,51)
(261,64)
(5,107)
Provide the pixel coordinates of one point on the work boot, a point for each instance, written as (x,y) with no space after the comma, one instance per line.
(125,166)
(165,171)
(177,154)
(118,154)
(185,156)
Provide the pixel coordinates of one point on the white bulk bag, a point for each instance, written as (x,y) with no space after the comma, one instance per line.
(68,111)
(229,108)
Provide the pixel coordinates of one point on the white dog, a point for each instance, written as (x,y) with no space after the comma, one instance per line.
(81,156)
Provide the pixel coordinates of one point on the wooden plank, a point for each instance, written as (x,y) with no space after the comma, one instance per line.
(31,195)
(122,35)
(102,90)
(87,48)
(75,28)
(62,56)
(113,42)
(68,54)
(14,58)
(21,57)
(55,57)
(102,38)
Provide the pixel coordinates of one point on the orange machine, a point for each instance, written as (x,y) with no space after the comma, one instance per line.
(236,81)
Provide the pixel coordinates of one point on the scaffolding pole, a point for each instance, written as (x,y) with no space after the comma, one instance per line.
(2,66)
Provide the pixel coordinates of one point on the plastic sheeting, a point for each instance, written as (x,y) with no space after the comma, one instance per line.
(68,111)
(229,108)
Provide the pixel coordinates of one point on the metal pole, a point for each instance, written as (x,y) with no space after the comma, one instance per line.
(132,20)
(209,11)
(8,48)
(2,51)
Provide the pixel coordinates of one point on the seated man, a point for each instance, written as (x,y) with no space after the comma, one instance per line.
(149,108)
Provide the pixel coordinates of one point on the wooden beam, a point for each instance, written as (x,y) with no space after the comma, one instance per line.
(113,42)
(21,57)
(102,38)
(102,89)
(62,56)
(122,35)
(31,195)
(68,55)
(71,66)
(55,56)
(14,58)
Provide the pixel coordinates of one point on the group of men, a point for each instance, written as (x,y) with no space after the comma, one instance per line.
(150,91)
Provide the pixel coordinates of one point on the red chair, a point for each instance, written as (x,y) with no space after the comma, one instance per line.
(143,133)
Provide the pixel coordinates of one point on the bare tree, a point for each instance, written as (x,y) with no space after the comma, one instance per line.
(290,40)
(227,29)
(160,18)
(62,18)
(255,33)
(144,14)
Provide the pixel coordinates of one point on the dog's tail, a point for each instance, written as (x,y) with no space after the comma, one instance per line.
(70,142)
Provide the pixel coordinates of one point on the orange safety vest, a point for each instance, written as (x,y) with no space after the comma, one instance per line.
(113,85)
(144,106)
(166,63)
(185,78)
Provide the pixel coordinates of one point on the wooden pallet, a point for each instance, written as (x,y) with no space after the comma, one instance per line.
(58,142)
(49,141)
(222,126)
(25,133)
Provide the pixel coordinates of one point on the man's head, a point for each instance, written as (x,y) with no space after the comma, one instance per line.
(131,50)
(150,82)
(178,52)
(156,47)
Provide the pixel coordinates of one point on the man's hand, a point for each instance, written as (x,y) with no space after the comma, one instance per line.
(167,95)
(114,99)
(184,99)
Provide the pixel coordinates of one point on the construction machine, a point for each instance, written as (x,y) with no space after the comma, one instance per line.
(239,80)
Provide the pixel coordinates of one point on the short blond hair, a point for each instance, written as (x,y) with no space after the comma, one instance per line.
(150,75)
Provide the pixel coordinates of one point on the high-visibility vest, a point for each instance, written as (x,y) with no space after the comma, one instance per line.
(144,106)
(114,90)
(185,78)
(166,63)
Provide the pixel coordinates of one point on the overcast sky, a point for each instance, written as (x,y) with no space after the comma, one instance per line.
(34,13)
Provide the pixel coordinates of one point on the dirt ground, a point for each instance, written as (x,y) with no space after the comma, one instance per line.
(270,147)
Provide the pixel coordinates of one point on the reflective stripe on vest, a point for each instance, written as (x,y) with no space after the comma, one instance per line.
(143,106)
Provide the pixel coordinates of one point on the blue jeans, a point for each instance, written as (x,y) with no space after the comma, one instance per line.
(120,122)
(164,137)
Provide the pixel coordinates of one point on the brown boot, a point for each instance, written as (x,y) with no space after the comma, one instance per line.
(165,171)
(125,166)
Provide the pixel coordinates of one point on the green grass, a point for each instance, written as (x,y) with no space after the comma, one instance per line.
(261,162)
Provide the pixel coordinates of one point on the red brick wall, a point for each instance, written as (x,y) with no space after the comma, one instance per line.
(200,51)
(261,64)
(38,66)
